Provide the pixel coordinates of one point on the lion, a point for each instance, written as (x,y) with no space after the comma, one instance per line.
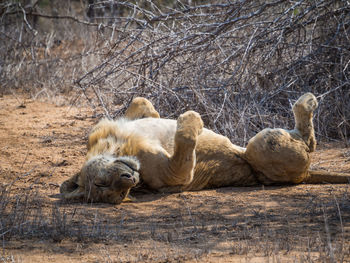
(141,149)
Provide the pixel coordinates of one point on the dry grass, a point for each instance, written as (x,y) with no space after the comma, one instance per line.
(314,226)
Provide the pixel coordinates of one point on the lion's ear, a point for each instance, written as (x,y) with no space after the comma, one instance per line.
(77,194)
(70,185)
(70,190)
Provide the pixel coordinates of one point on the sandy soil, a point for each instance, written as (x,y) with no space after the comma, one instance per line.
(42,144)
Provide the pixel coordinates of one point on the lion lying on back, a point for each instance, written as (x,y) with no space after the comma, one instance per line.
(178,155)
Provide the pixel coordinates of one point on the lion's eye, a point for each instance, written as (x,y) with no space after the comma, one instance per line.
(126,175)
(101,184)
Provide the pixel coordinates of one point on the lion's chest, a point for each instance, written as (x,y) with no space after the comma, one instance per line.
(154,131)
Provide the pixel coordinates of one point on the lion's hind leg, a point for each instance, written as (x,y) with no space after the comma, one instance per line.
(303,110)
(141,108)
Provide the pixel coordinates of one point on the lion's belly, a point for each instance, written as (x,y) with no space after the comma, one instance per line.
(220,163)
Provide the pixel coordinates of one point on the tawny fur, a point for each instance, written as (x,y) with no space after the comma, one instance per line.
(103,178)
(140,108)
(282,156)
(182,155)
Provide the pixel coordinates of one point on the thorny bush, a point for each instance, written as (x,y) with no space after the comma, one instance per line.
(240,64)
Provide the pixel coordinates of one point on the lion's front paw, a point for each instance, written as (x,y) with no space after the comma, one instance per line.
(141,108)
(191,122)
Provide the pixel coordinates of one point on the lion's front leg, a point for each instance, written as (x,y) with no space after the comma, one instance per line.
(141,108)
(183,160)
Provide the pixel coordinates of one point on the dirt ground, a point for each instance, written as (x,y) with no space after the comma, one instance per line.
(42,144)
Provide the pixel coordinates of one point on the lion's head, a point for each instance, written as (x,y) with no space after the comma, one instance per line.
(103,178)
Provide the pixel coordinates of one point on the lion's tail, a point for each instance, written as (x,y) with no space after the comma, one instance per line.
(319,176)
